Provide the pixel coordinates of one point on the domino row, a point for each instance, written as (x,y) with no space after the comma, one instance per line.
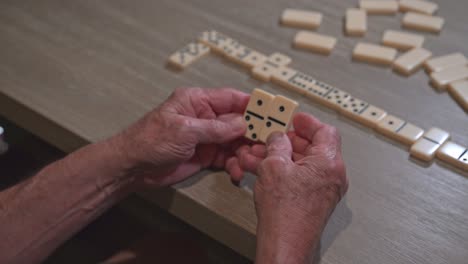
(424,145)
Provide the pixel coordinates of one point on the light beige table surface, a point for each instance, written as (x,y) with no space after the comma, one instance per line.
(74,72)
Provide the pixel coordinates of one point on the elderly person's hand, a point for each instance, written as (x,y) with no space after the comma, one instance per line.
(301,178)
(194,129)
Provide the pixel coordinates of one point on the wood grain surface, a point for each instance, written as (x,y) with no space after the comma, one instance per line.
(75,72)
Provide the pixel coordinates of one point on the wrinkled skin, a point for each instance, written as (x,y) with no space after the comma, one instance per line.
(194,129)
(301,175)
(301,178)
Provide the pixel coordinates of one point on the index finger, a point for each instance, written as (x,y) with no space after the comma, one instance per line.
(318,133)
(227,100)
(328,139)
(305,126)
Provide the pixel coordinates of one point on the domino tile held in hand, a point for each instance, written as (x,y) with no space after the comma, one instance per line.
(459,91)
(399,130)
(255,113)
(187,55)
(454,154)
(425,148)
(279,116)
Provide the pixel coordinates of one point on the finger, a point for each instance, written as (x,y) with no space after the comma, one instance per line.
(297,156)
(249,162)
(305,125)
(279,145)
(227,100)
(221,130)
(329,141)
(299,144)
(234,169)
(258,150)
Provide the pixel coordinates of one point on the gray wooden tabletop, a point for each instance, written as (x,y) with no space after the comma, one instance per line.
(75,72)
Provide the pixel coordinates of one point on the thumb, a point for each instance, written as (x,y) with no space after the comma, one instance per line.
(279,145)
(223,129)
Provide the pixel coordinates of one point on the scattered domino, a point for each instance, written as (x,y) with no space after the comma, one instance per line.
(439,63)
(375,54)
(379,7)
(411,61)
(278,118)
(423,22)
(426,146)
(454,154)
(255,113)
(402,40)
(356,22)
(419,6)
(442,79)
(362,112)
(187,55)
(459,91)
(301,18)
(399,130)
(314,42)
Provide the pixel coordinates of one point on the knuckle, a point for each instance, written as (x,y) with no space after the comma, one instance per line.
(275,163)
(333,132)
(178,92)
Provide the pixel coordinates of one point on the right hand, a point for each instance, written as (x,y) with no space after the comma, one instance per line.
(301,178)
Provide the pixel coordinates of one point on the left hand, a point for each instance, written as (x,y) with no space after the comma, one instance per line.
(192,130)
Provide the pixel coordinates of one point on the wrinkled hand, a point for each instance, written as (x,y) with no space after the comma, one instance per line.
(194,129)
(301,178)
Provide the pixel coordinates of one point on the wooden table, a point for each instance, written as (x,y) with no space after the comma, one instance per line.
(74,72)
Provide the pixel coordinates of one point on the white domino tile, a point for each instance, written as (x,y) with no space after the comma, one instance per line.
(188,55)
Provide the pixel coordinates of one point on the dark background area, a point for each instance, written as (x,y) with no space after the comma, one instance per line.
(152,234)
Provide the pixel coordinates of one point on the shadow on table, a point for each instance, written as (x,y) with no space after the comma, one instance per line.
(339,221)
